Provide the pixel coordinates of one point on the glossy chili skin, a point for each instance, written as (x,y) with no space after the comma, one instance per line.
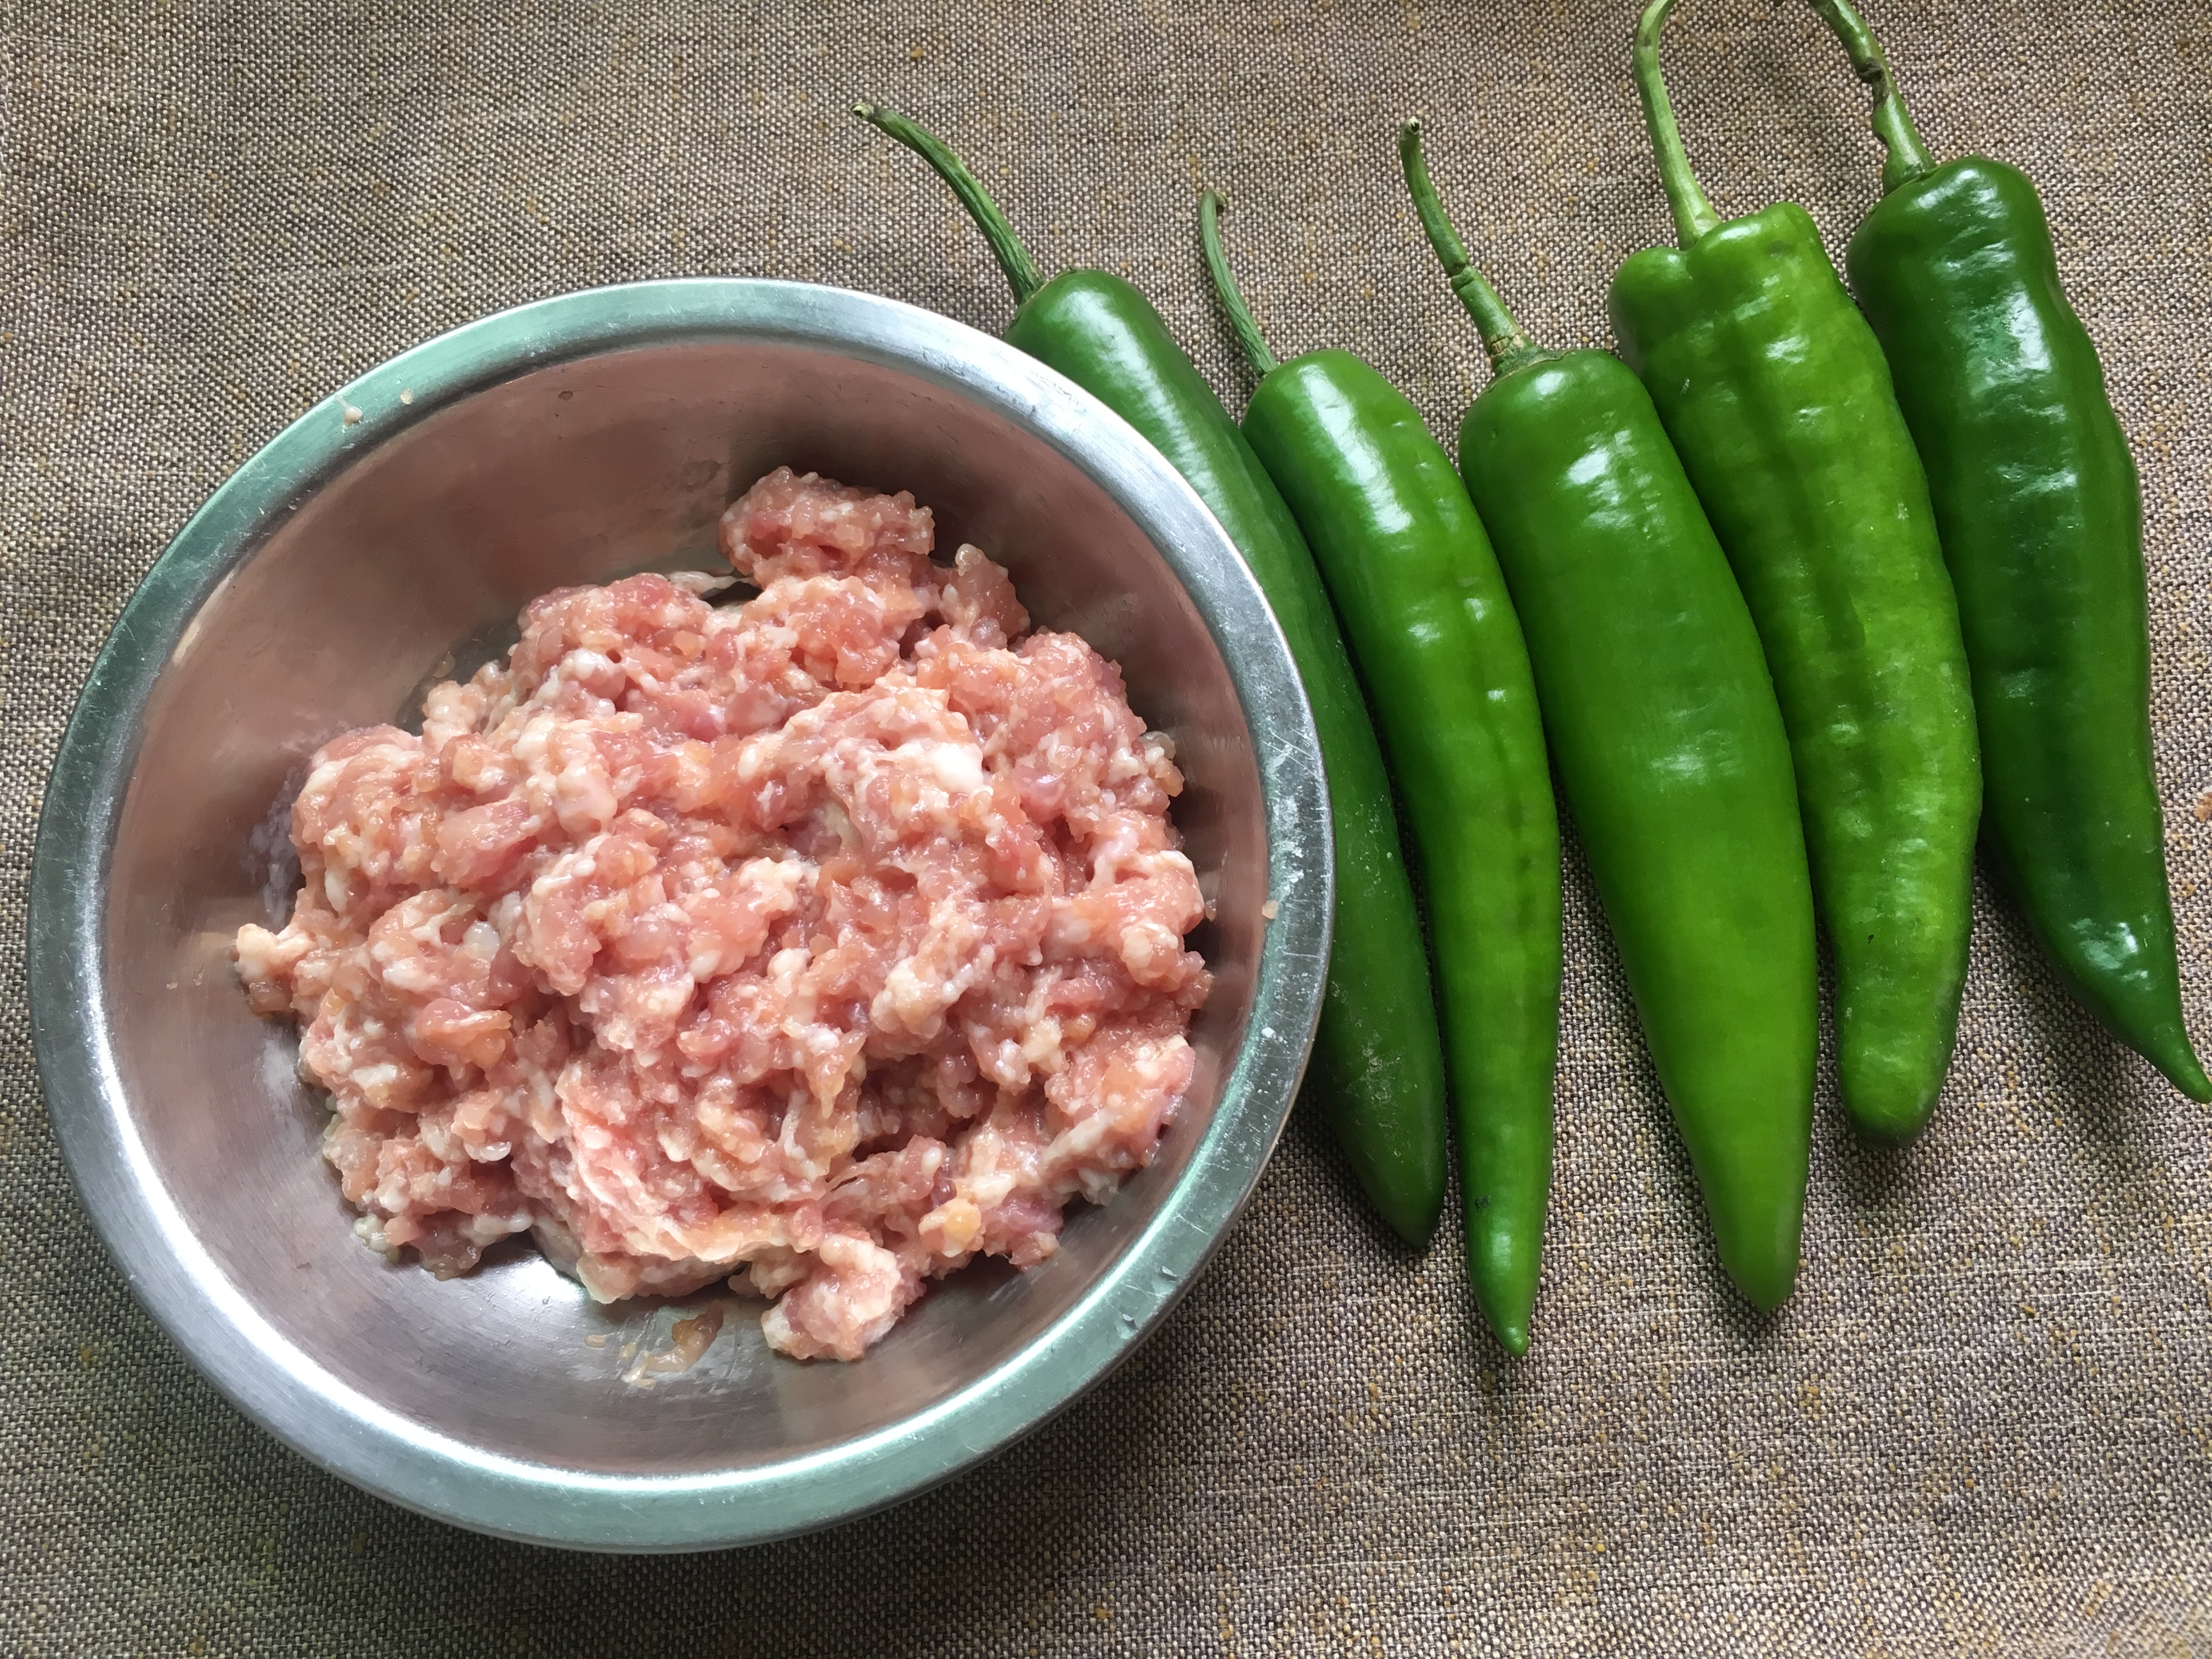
(2040,513)
(1779,400)
(2041,518)
(1670,745)
(1378,1064)
(1437,646)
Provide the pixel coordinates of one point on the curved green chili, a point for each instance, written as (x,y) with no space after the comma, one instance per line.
(2040,513)
(1440,651)
(1776,394)
(1670,745)
(1377,1062)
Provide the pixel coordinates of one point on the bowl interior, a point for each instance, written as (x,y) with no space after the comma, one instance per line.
(409,564)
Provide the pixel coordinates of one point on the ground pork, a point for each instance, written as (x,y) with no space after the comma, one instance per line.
(823,942)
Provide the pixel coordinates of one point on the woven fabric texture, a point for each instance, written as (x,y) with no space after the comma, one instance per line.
(1984,1423)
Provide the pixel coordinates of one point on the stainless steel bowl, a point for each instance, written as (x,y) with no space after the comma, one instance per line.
(387,538)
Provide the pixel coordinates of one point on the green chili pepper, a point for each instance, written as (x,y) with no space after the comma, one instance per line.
(1670,745)
(2041,519)
(1377,1060)
(1441,654)
(1779,400)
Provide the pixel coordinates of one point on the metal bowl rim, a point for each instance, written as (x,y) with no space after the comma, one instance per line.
(402,1459)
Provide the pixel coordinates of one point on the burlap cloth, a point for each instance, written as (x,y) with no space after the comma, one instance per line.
(1983,1423)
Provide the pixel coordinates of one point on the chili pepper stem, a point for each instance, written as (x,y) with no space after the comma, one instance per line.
(1225,289)
(1013,258)
(1509,347)
(1693,212)
(1906,157)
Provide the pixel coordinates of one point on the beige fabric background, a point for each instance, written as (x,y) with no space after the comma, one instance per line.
(1982,1425)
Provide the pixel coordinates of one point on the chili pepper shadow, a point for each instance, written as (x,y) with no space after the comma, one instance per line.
(2092,1084)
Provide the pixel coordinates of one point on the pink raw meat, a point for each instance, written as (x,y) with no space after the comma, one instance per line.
(825,941)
